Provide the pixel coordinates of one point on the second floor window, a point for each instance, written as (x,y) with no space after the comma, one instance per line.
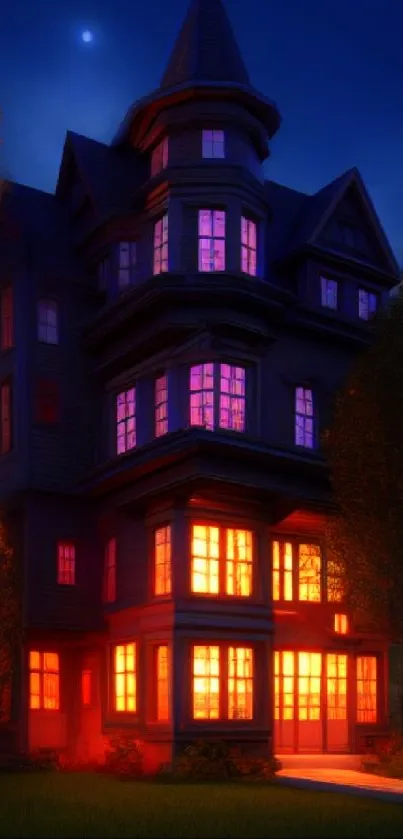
(304,418)
(367,304)
(162,564)
(6,416)
(213,143)
(218,396)
(66,564)
(127,264)
(161,405)
(211,240)
(328,293)
(309,572)
(126,420)
(221,560)
(160,263)
(159,157)
(7,338)
(248,246)
(296,571)
(48,331)
(110,571)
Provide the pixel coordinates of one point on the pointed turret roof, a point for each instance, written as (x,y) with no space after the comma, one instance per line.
(206,48)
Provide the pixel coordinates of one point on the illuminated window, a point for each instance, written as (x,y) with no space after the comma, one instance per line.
(340,624)
(47,401)
(328,293)
(211,240)
(239,562)
(163,560)
(304,418)
(282,571)
(240,683)
(248,246)
(163,676)
(335,580)
(86,688)
(7,318)
(213,143)
(44,681)
(127,264)
(159,157)
(336,666)
(366,688)
(126,420)
(110,571)
(161,245)
(48,331)
(231,382)
(309,680)
(5,407)
(125,678)
(205,559)
(66,564)
(309,572)
(161,405)
(367,304)
(206,683)
(284,685)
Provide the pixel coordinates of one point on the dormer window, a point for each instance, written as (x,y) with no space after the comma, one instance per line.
(161,245)
(367,304)
(213,143)
(159,157)
(328,290)
(248,246)
(211,240)
(127,264)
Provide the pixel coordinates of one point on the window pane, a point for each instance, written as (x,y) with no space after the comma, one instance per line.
(240,683)
(309,567)
(206,684)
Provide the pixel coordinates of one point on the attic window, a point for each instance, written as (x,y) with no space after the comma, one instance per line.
(328,290)
(367,304)
(159,157)
(213,143)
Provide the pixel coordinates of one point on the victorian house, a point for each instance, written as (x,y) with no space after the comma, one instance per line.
(173,328)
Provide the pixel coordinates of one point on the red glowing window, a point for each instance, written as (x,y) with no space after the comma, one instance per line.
(163,683)
(126,420)
(44,686)
(230,382)
(161,405)
(309,572)
(86,688)
(232,397)
(336,677)
(366,688)
(7,338)
(159,157)
(5,406)
(47,401)
(127,264)
(125,678)
(110,571)
(161,245)
(240,683)
(282,571)
(304,418)
(210,548)
(206,682)
(248,246)
(66,564)
(340,624)
(213,143)
(211,240)
(162,547)
(48,331)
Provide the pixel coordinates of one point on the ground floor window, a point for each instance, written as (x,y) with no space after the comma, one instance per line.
(366,688)
(299,682)
(163,661)
(44,678)
(222,682)
(125,677)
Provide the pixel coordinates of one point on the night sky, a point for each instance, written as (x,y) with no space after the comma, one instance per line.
(334,68)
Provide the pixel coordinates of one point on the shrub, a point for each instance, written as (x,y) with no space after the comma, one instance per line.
(387,757)
(216,760)
(123,755)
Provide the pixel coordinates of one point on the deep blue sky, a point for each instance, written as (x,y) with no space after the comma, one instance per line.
(334,68)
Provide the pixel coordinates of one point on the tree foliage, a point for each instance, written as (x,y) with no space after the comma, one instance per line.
(9,623)
(364,446)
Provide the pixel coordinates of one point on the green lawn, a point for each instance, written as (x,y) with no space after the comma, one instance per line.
(69,805)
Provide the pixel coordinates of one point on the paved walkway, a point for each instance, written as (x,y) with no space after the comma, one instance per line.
(347,781)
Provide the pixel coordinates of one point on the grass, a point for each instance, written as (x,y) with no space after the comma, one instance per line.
(70,805)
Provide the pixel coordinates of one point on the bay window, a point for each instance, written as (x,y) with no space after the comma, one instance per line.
(163,668)
(161,405)
(211,240)
(248,246)
(222,677)
(221,560)
(125,678)
(218,396)
(126,420)
(160,261)
(296,571)
(304,418)
(162,568)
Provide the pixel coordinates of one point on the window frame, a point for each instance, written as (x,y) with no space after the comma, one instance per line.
(212,266)
(125,420)
(40,671)
(306,417)
(167,563)
(130,268)
(44,306)
(223,561)
(295,541)
(124,712)
(376,694)
(329,293)
(161,423)
(370,311)
(223,679)
(218,376)
(161,247)
(66,564)
(246,248)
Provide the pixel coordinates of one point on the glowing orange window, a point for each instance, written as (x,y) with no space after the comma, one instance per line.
(163,560)
(86,687)
(44,681)
(340,624)
(206,683)
(309,685)
(309,569)
(282,571)
(125,693)
(366,688)
(239,562)
(205,559)
(335,574)
(240,683)
(336,676)
(163,676)
(110,571)
(284,685)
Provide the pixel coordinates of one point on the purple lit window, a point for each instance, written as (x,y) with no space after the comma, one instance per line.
(304,418)
(248,246)
(159,157)
(126,420)
(367,304)
(202,395)
(48,331)
(161,245)
(211,240)
(232,397)
(328,290)
(161,405)
(213,143)
(127,264)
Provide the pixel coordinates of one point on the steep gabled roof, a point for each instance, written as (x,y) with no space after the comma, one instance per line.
(206,48)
